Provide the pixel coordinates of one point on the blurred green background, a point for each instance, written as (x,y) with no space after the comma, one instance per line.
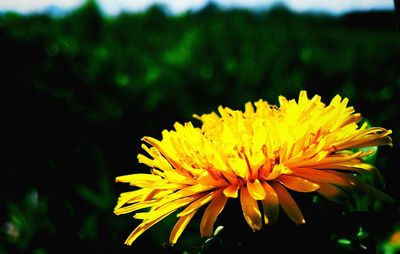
(79,92)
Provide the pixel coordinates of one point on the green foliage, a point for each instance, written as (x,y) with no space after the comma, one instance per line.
(27,219)
(81,90)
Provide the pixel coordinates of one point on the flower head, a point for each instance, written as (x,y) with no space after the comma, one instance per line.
(256,156)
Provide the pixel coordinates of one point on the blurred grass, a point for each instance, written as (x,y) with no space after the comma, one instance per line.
(81,90)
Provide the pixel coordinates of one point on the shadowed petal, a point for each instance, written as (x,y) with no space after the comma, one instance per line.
(326,176)
(356,166)
(197,204)
(211,213)
(288,204)
(333,193)
(270,204)
(377,193)
(250,209)
(297,183)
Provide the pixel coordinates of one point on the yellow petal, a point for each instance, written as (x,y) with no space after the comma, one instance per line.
(165,207)
(239,166)
(158,144)
(145,160)
(211,213)
(168,186)
(288,204)
(377,141)
(337,158)
(154,194)
(134,207)
(133,196)
(140,180)
(297,183)
(303,99)
(186,192)
(250,209)
(179,226)
(256,190)
(374,136)
(174,177)
(204,199)
(144,226)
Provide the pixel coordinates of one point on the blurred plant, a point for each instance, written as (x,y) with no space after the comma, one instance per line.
(391,245)
(27,220)
(101,197)
(77,80)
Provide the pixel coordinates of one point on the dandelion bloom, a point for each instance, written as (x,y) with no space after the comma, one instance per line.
(255,156)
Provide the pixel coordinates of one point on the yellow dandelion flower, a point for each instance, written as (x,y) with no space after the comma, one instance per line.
(255,156)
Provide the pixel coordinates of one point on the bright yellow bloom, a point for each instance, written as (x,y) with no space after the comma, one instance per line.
(255,155)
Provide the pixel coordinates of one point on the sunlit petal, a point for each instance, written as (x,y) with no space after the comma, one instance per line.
(256,190)
(232,191)
(180,226)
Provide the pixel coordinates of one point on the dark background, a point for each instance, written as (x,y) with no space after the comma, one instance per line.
(81,90)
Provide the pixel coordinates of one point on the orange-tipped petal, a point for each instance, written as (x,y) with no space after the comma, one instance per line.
(288,204)
(208,179)
(232,191)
